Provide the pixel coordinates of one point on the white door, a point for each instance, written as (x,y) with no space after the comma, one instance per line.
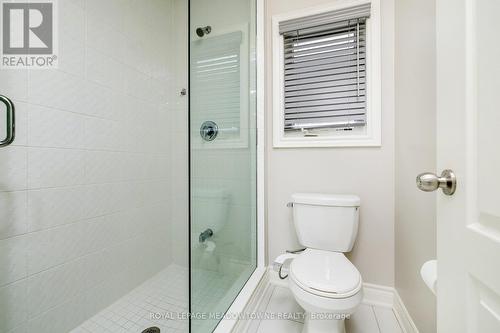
(468,127)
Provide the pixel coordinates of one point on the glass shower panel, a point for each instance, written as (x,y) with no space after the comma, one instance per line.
(93,190)
(222,155)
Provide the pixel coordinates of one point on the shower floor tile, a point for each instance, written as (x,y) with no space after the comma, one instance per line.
(160,302)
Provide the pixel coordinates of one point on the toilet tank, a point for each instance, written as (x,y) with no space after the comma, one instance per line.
(326,221)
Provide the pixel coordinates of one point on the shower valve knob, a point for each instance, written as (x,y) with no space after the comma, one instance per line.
(209,131)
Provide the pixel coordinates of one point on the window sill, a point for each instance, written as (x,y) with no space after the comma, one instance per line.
(326,142)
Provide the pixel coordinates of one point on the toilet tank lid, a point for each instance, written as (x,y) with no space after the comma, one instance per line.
(322,199)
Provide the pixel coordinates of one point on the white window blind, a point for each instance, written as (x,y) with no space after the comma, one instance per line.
(325,69)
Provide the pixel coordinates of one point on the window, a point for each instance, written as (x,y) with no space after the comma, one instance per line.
(325,78)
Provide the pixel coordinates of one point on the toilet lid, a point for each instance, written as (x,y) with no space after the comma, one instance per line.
(324,272)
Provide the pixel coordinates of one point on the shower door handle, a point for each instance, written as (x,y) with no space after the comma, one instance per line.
(11,121)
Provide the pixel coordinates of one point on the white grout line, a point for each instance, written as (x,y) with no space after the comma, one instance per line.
(376,318)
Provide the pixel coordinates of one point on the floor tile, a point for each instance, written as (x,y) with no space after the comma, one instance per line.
(362,321)
(280,326)
(157,302)
(387,320)
(253,325)
(282,301)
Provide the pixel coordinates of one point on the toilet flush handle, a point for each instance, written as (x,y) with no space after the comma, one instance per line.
(282,263)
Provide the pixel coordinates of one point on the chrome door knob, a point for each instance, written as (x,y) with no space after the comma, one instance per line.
(429,182)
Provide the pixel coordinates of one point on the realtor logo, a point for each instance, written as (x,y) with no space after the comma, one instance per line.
(28,34)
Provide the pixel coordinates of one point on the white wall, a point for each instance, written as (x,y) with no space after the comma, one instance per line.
(415,153)
(85,189)
(367,172)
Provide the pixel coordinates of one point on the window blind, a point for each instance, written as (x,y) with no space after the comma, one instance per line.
(325,69)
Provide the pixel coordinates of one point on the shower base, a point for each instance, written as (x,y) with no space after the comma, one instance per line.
(165,293)
(160,301)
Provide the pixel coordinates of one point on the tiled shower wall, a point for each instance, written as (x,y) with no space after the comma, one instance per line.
(85,190)
(179,132)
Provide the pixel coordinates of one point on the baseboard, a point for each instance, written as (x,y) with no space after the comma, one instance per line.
(403,316)
(376,295)
(388,297)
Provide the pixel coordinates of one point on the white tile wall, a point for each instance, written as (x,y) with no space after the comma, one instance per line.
(42,123)
(86,189)
(179,145)
(13,214)
(13,163)
(16,84)
(12,260)
(15,314)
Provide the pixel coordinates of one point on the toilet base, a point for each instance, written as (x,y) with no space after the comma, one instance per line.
(323,325)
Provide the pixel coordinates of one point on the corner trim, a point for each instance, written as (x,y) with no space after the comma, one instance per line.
(245,300)
(253,303)
(388,297)
(403,316)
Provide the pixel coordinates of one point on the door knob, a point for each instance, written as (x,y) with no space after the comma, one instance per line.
(429,182)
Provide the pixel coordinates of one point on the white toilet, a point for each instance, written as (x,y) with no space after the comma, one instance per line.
(324,282)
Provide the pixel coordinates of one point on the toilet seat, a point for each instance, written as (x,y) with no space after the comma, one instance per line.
(325,273)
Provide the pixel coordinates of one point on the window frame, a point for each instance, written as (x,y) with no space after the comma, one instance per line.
(367,136)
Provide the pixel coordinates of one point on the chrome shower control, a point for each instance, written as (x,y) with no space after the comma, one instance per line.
(205,235)
(202,31)
(209,130)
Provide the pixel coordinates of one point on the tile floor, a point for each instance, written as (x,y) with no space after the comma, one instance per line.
(162,302)
(166,294)
(278,299)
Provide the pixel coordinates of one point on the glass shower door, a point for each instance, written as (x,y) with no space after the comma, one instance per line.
(93,222)
(222,155)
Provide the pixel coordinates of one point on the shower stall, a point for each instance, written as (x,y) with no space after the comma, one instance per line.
(128,183)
